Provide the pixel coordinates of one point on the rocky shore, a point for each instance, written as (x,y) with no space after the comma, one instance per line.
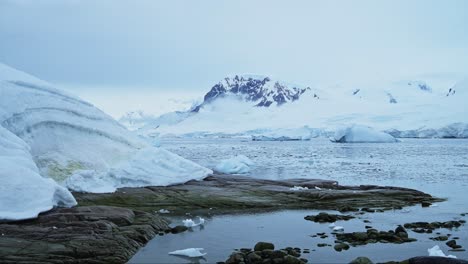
(110,228)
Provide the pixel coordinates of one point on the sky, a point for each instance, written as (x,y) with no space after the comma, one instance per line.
(159,56)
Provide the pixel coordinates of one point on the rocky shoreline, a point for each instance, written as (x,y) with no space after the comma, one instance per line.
(110,228)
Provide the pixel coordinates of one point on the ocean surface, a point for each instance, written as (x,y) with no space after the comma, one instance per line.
(436,166)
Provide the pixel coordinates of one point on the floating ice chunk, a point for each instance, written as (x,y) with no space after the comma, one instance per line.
(190,223)
(235,165)
(332,225)
(298,188)
(163,211)
(361,134)
(437,252)
(189,252)
(317,188)
(338,229)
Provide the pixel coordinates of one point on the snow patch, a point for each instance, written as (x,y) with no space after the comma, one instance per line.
(298,188)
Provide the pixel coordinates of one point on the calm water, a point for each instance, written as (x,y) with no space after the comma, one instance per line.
(439,167)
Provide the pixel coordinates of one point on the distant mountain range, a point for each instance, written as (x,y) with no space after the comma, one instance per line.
(258,103)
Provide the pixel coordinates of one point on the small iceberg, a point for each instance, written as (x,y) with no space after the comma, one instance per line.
(361,134)
(163,211)
(298,188)
(190,223)
(437,252)
(338,229)
(189,252)
(236,165)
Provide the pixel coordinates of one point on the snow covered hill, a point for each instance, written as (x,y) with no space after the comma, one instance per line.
(51,134)
(236,106)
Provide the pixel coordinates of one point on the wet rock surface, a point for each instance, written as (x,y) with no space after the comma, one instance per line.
(220,194)
(90,234)
(265,253)
(429,227)
(397,236)
(327,218)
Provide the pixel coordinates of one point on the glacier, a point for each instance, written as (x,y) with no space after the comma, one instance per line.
(24,193)
(60,140)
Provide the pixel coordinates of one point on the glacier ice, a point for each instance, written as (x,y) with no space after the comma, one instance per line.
(236,165)
(70,142)
(24,193)
(361,134)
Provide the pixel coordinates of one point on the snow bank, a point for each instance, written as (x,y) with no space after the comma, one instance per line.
(189,252)
(147,167)
(437,252)
(361,134)
(76,144)
(23,192)
(236,165)
(303,133)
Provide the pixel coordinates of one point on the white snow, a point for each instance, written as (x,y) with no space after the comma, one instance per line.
(23,192)
(437,252)
(236,165)
(190,223)
(163,211)
(361,134)
(189,252)
(423,108)
(70,141)
(147,167)
(298,188)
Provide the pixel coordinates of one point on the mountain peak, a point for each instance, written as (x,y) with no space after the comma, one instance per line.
(260,90)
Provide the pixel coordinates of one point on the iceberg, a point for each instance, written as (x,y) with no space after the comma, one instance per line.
(189,252)
(190,223)
(52,139)
(437,252)
(236,165)
(361,134)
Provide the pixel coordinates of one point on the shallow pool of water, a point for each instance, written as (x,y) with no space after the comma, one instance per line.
(439,167)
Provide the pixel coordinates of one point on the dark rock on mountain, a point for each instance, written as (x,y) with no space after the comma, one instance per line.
(262,91)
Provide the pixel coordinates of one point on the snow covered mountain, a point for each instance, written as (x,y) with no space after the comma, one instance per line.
(246,106)
(260,90)
(50,139)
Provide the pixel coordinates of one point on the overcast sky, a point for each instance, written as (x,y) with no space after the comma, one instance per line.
(173,47)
